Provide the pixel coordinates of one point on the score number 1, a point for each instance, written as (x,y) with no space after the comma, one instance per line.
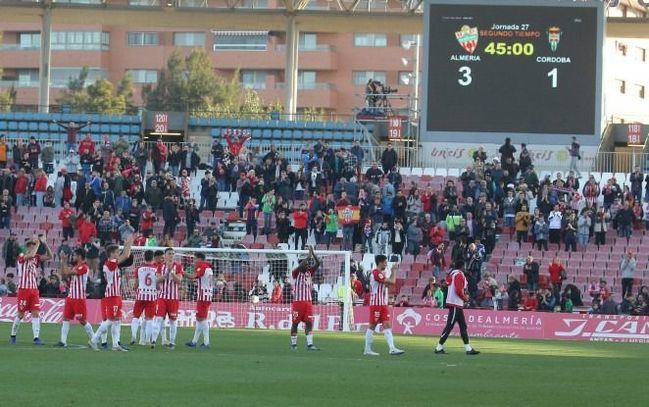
(554,75)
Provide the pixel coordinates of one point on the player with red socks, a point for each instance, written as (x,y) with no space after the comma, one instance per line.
(112,302)
(145,301)
(302,306)
(203,275)
(75,302)
(380,280)
(28,297)
(169,278)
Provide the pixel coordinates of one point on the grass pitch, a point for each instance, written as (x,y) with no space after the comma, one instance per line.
(257,368)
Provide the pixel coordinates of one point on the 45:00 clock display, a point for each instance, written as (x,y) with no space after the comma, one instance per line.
(517,48)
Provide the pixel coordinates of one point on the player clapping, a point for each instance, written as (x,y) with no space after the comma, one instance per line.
(28,296)
(75,303)
(302,306)
(203,275)
(145,301)
(112,302)
(169,278)
(380,280)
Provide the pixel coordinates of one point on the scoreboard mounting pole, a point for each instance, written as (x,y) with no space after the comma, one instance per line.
(530,70)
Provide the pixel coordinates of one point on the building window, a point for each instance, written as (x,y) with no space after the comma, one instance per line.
(80,40)
(640,91)
(370,40)
(27,77)
(308,41)
(361,77)
(143,38)
(251,79)
(620,48)
(60,77)
(406,78)
(407,40)
(306,80)
(195,39)
(29,40)
(640,54)
(144,3)
(621,85)
(143,75)
(240,40)
(254,4)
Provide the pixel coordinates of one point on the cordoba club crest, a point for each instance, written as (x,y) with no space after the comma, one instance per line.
(554,36)
(468,38)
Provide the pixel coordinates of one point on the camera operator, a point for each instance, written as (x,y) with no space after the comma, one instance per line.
(371,90)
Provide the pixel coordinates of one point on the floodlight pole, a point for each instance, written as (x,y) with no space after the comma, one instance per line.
(290,70)
(46,54)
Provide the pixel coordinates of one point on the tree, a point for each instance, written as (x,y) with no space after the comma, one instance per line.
(98,97)
(190,85)
(126,89)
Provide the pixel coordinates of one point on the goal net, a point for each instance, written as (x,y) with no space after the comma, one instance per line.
(253,287)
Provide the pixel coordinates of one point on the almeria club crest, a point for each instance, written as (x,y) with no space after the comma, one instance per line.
(468,38)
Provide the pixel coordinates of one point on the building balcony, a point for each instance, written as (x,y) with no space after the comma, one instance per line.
(311,94)
(18,84)
(321,57)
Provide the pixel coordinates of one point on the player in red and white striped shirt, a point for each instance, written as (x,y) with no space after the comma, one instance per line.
(146,297)
(169,277)
(203,275)
(75,303)
(302,306)
(28,297)
(139,321)
(111,304)
(380,281)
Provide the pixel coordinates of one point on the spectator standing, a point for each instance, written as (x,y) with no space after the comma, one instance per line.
(575,156)
(557,274)
(66,218)
(47,156)
(300,226)
(531,271)
(570,233)
(268,202)
(40,186)
(507,151)
(414,237)
(541,233)
(71,129)
(636,178)
(170,215)
(554,220)
(3,152)
(398,237)
(34,151)
(192,216)
(627,271)
(5,212)
(252,211)
(584,223)
(388,158)
(522,222)
(331,226)
(624,219)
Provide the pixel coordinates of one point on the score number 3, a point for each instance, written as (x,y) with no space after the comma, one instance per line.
(466,78)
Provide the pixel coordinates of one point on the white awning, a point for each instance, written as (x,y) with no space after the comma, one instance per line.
(241,33)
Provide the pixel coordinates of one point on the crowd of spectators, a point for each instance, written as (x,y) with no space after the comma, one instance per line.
(124,189)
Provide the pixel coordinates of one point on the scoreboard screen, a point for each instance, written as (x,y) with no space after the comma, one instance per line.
(513,67)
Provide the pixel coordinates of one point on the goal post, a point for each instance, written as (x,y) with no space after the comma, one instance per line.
(251,287)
